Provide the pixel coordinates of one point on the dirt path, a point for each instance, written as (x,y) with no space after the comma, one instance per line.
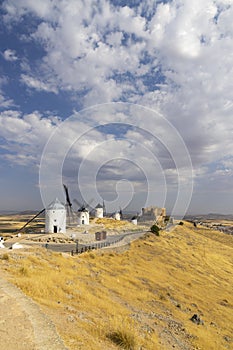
(23,326)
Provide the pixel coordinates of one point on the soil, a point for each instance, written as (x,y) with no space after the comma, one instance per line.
(23,326)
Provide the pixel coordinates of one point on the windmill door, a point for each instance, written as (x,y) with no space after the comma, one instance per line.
(54,229)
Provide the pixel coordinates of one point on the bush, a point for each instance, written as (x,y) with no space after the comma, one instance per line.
(155,230)
(5,256)
(123,338)
(181,223)
(24,271)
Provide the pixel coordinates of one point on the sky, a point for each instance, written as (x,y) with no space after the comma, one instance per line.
(130,102)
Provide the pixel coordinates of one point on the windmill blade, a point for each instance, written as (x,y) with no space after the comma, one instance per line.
(67,196)
(104,209)
(89,203)
(78,203)
(28,222)
(121,213)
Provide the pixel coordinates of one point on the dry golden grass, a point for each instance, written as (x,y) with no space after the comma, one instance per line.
(112,224)
(12,223)
(144,296)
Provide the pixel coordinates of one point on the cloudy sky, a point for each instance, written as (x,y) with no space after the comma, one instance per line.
(126,101)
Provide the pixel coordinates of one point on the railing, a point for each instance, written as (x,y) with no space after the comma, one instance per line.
(84,248)
(79,248)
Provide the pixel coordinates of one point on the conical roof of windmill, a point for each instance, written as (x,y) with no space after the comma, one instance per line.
(99,206)
(56,205)
(83,209)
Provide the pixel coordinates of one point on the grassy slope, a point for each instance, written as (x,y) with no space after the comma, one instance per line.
(150,291)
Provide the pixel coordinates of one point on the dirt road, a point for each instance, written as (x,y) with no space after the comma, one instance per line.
(23,326)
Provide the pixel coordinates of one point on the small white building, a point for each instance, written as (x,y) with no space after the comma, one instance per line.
(55,217)
(99,211)
(83,216)
(2,242)
(117,216)
(134,220)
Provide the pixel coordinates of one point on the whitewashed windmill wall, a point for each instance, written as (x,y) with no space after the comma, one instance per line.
(55,217)
(83,216)
(117,216)
(99,211)
(134,221)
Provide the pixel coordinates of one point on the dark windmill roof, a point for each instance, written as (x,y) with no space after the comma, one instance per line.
(83,210)
(99,206)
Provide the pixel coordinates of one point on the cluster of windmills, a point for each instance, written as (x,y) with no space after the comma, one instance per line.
(82,215)
(58,215)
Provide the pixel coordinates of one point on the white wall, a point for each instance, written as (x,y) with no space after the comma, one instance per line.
(117,216)
(55,220)
(99,212)
(83,218)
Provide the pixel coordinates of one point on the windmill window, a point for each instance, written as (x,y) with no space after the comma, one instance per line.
(55,220)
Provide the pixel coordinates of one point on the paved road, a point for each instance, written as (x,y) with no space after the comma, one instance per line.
(80,247)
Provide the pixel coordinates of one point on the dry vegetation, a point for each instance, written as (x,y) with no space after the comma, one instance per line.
(141,299)
(9,224)
(117,225)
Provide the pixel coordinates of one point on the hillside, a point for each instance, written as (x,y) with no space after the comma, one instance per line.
(144,296)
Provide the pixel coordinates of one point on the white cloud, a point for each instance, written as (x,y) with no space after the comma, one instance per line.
(10,55)
(4,101)
(103,53)
(38,84)
(24,136)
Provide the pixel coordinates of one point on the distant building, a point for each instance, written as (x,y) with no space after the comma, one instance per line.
(99,211)
(117,216)
(134,220)
(83,216)
(153,214)
(2,242)
(55,217)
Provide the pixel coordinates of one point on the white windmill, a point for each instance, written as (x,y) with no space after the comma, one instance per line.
(99,211)
(83,216)
(55,217)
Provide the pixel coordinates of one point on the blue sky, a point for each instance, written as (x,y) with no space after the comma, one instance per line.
(128,101)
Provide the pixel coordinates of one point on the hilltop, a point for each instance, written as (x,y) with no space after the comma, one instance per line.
(144,296)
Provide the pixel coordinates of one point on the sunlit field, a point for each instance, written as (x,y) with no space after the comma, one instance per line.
(140,299)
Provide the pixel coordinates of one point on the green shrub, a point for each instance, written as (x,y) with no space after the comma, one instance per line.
(155,230)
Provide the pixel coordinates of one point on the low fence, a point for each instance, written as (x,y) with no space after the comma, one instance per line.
(85,248)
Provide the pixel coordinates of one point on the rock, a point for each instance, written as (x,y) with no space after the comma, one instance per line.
(196,319)
(70,318)
(227,339)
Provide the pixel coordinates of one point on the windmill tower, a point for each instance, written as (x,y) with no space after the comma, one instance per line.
(55,217)
(99,211)
(117,216)
(83,216)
